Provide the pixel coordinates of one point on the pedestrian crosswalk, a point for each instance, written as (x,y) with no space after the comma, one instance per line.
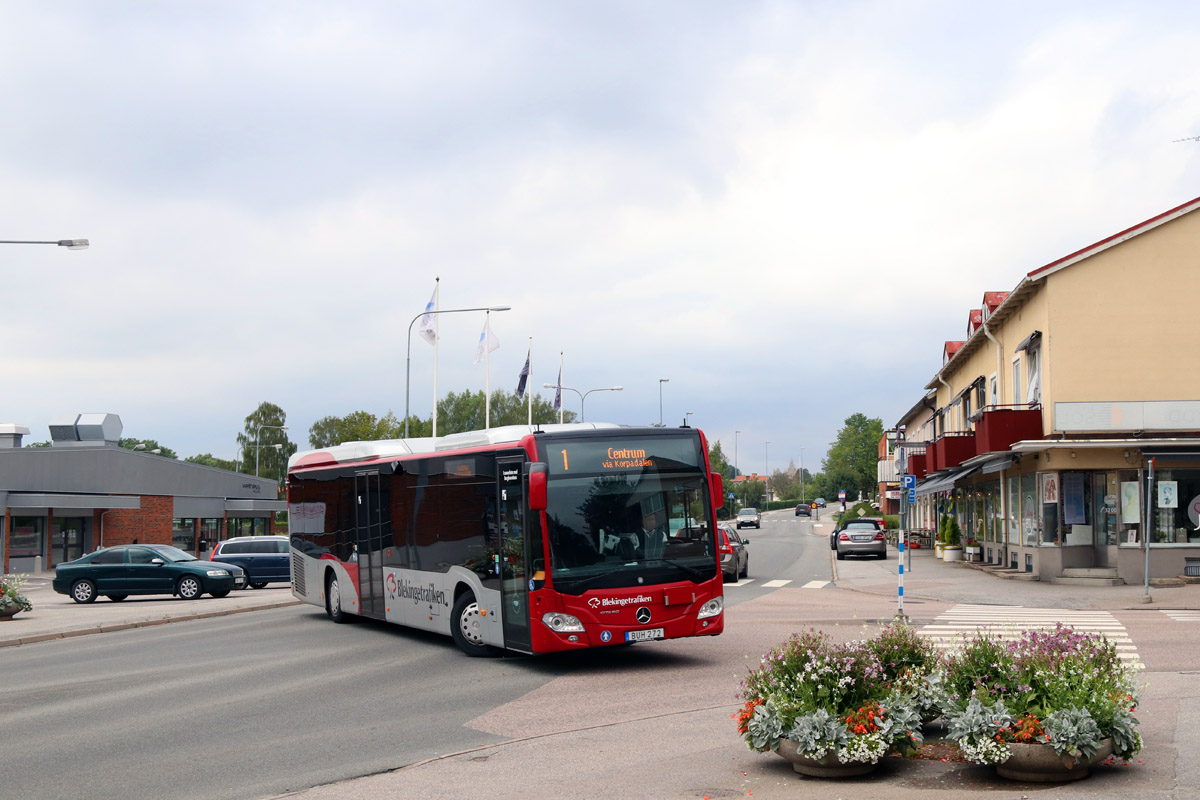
(1007,622)
(779,583)
(1183,616)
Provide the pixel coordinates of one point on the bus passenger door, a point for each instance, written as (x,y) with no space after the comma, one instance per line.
(514,589)
(368,544)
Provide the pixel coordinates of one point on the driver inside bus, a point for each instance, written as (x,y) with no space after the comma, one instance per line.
(654,535)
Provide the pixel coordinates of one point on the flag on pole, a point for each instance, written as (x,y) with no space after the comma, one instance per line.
(524,375)
(428,329)
(558,391)
(487,342)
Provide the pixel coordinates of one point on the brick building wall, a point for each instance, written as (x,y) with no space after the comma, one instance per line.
(150,524)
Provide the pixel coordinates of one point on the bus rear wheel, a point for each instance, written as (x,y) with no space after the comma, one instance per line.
(466,627)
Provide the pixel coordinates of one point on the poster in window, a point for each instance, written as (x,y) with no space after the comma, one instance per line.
(1050,487)
(1131,512)
(1168,494)
(1073,500)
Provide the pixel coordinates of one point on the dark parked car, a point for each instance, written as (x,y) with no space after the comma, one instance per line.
(803,510)
(862,536)
(735,561)
(266,559)
(117,572)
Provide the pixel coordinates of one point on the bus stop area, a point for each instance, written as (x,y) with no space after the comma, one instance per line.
(57,616)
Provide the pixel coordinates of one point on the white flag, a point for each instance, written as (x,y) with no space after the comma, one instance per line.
(488,340)
(428,329)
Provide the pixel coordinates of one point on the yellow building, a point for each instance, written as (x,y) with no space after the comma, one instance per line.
(1039,429)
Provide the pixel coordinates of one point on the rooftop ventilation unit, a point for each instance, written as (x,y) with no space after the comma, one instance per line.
(85,430)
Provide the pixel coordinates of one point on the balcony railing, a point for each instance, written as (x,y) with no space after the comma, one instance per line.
(953,448)
(999,426)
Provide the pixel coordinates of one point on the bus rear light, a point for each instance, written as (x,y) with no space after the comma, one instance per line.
(712,608)
(562,623)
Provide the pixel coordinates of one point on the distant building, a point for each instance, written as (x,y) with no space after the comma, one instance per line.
(85,492)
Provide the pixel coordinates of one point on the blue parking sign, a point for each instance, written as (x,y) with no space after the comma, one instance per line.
(912,495)
(910,481)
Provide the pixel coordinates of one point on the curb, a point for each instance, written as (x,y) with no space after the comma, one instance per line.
(145,623)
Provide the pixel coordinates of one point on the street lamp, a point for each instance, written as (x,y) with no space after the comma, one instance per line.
(736,471)
(582,395)
(685,418)
(408,361)
(70,244)
(257,446)
(661,381)
(802,498)
(766,475)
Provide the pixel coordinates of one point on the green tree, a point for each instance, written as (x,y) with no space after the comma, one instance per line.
(147,446)
(852,461)
(465,411)
(209,460)
(258,443)
(357,426)
(718,462)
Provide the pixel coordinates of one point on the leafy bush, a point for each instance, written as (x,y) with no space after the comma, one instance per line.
(10,594)
(829,697)
(1061,687)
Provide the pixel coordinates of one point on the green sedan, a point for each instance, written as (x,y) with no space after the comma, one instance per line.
(117,572)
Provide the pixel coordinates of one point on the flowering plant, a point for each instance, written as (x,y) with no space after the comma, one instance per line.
(826,697)
(10,594)
(1063,688)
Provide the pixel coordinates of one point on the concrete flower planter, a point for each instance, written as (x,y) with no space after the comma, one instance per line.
(1038,763)
(826,767)
(951,553)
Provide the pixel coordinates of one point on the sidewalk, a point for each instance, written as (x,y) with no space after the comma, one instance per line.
(929,578)
(57,616)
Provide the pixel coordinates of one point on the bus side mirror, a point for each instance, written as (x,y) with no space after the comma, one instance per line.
(718,488)
(537,487)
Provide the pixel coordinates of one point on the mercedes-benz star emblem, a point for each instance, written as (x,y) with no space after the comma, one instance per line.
(643,615)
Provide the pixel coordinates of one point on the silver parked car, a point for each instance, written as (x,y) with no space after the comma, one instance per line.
(735,561)
(864,537)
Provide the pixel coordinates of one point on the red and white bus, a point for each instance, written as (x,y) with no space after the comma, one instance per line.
(537,540)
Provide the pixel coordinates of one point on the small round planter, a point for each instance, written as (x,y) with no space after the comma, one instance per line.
(1038,763)
(938,550)
(826,767)
(952,554)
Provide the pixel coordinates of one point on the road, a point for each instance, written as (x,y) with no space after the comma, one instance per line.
(282,701)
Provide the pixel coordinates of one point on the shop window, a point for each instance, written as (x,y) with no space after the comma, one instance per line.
(1014,510)
(183,534)
(1078,521)
(27,535)
(1051,497)
(1105,496)
(1176,506)
(1129,501)
(1031,520)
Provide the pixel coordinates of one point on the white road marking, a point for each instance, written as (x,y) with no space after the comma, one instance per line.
(815,585)
(1183,616)
(1008,623)
(775,584)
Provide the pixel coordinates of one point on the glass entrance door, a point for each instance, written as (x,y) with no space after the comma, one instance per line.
(1107,534)
(67,541)
(368,547)
(514,589)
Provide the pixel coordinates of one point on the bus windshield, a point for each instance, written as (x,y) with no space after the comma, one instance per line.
(629,529)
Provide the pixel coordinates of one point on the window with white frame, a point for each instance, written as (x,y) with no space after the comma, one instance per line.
(1016,381)
(993,390)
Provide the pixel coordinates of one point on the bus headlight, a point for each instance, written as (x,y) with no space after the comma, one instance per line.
(562,623)
(712,608)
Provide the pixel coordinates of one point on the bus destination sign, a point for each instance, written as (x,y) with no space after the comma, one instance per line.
(567,457)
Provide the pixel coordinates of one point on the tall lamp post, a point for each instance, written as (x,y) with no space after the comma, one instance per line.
(736,471)
(257,446)
(70,244)
(686,421)
(766,474)
(802,498)
(661,381)
(408,360)
(583,395)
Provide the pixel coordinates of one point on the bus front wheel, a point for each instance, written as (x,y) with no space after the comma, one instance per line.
(333,600)
(466,626)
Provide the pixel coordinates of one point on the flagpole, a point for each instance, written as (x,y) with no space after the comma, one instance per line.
(560,405)
(487,372)
(437,285)
(530,397)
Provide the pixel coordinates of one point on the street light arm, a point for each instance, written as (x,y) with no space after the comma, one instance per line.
(70,244)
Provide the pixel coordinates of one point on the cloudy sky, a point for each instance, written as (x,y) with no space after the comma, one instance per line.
(783,207)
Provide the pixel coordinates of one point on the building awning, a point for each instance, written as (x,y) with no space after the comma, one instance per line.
(997,465)
(81,502)
(1029,341)
(255,506)
(945,483)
